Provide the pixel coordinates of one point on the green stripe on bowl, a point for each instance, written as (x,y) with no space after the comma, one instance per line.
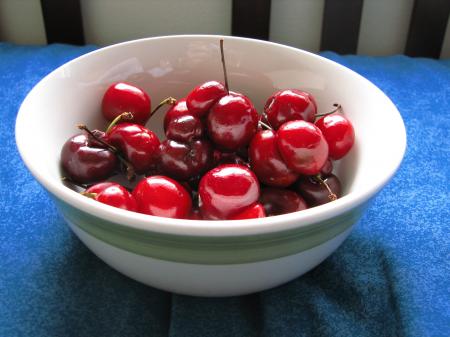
(210,250)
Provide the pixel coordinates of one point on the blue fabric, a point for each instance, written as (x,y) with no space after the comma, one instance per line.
(390,278)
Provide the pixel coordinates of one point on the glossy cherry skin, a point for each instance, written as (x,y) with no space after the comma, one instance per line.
(266,160)
(339,133)
(288,105)
(277,201)
(184,128)
(220,158)
(162,196)
(177,110)
(138,144)
(85,162)
(185,160)
(113,194)
(252,212)
(203,97)
(124,97)
(227,190)
(232,122)
(314,192)
(302,147)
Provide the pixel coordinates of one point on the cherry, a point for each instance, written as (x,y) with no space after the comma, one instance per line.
(232,122)
(185,160)
(278,201)
(178,109)
(139,145)
(162,196)
(112,194)
(202,97)
(124,97)
(220,158)
(266,161)
(226,191)
(302,146)
(316,192)
(289,104)
(184,128)
(339,133)
(327,168)
(251,212)
(86,161)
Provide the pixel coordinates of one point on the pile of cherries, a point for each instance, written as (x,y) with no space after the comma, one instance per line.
(220,160)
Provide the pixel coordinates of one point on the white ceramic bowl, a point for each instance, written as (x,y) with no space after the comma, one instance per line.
(209,258)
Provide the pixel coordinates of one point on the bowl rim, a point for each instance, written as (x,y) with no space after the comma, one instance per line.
(214,228)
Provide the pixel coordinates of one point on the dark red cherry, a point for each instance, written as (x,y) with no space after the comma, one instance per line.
(277,201)
(302,146)
(176,110)
(124,97)
(327,168)
(220,158)
(112,194)
(162,196)
(339,133)
(84,161)
(251,212)
(203,97)
(227,190)
(138,144)
(232,122)
(288,105)
(266,161)
(316,193)
(185,160)
(184,128)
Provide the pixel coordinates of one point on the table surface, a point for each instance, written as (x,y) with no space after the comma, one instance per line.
(389,278)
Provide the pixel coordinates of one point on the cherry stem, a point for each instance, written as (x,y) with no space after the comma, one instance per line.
(266,126)
(121,117)
(130,168)
(89,194)
(224,67)
(337,108)
(168,100)
(331,195)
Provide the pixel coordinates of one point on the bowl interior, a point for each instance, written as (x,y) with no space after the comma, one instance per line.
(172,66)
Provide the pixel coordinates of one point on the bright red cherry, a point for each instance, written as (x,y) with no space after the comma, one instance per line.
(266,161)
(302,146)
(277,201)
(251,212)
(176,110)
(85,161)
(162,196)
(288,105)
(184,128)
(339,133)
(315,192)
(185,160)
(123,97)
(112,194)
(138,144)
(227,190)
(203,97)
(232,122)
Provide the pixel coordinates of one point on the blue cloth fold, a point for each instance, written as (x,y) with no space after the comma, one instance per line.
(390,278)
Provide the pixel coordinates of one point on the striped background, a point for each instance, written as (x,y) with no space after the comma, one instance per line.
(369,27)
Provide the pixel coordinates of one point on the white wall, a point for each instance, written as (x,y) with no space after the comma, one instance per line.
(384,23)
